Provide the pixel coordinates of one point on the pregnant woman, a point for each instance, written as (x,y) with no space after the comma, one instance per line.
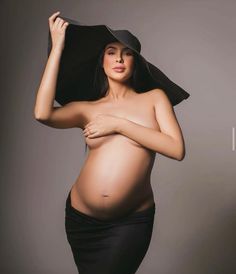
(124,105)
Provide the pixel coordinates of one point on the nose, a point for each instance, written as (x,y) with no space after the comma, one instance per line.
(119,59)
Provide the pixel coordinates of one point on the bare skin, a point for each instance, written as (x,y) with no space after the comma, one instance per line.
(115,177)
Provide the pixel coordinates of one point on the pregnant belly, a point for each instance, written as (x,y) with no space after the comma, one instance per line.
(113,182)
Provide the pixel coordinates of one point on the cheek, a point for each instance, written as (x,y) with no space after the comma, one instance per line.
(107,62)
(130,64)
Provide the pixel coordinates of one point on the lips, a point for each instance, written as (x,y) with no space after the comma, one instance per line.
(119,69)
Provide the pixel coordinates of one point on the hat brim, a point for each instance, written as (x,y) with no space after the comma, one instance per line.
(83,44)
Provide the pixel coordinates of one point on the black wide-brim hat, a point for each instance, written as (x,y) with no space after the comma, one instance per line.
(83,45)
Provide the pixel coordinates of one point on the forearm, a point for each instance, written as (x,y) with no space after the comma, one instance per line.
(46,92)
(151,139)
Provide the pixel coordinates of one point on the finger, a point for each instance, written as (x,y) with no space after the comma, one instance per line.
(92,135)
(57,21)
(60,23)
(52,18)
(91,131)
(66,24)
(88,131)
(54,14)
(90,123)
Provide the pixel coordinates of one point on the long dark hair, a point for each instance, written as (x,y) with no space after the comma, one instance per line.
(140,80)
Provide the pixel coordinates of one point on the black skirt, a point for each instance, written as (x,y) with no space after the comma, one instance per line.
(115,246)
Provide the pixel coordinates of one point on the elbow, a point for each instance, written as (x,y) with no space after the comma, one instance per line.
(41,119)
(180,152)
(41,113)
(181,155)
(40,116)
(37,117)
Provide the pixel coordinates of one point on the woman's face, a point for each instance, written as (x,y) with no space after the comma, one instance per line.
(117,54)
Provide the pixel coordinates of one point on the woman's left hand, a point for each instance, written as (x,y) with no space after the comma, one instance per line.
(103,124)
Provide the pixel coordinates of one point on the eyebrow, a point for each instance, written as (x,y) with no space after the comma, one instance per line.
(113,47)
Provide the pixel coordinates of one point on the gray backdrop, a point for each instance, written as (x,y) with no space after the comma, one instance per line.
(194,43)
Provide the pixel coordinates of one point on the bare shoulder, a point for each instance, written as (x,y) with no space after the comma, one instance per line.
(153,93)
(159,97)
(157,92)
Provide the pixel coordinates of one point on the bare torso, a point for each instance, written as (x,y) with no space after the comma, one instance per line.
(115,178)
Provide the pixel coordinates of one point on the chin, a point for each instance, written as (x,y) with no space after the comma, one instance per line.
(119,78)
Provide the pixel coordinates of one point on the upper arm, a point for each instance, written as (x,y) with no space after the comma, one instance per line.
(166,117)
(68,116)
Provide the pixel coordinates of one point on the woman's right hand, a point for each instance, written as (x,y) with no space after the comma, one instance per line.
(57,29)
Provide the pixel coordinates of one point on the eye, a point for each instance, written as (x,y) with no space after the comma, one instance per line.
(129,53)
(110,53)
